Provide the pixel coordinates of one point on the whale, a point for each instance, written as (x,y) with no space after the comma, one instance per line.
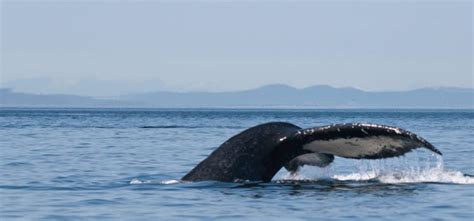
(259,152)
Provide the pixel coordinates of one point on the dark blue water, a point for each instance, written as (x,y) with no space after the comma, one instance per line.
(109,164)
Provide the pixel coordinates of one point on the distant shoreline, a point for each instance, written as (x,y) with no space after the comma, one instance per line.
(267,97)
(384,109)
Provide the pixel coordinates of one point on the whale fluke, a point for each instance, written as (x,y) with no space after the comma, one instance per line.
(259,152)
(360,141)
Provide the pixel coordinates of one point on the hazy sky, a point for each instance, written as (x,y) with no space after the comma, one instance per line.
(105,47)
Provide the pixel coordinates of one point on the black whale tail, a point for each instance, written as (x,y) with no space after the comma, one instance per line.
(249,155)
(258,153)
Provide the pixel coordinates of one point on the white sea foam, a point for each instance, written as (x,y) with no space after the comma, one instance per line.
(399,170)
(170,182)
(435,175)
(136,181)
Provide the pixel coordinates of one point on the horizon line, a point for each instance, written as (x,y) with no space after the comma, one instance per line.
(15,90)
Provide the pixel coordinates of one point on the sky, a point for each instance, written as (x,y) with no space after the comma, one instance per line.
(107,48)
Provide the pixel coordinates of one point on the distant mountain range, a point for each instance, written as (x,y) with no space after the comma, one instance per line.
(320,96)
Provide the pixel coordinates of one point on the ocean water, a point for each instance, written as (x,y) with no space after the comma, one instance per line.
(125,164)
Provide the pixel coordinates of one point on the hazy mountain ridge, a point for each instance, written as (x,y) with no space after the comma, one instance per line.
(267,96)
(9,98)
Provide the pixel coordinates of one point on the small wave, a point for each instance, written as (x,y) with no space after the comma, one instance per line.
(170,182)
(189,127)
(14,164)
(98,202)
(168,127)
(137,181)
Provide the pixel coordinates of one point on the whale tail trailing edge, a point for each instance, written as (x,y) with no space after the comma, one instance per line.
(258,153)
(360,141)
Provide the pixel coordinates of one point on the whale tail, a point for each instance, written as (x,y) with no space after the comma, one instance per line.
(246,156)
(258,153)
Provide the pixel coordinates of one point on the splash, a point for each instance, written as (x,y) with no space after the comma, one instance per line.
(408,169)
(433,175)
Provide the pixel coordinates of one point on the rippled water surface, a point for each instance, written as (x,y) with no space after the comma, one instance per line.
(109,164)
